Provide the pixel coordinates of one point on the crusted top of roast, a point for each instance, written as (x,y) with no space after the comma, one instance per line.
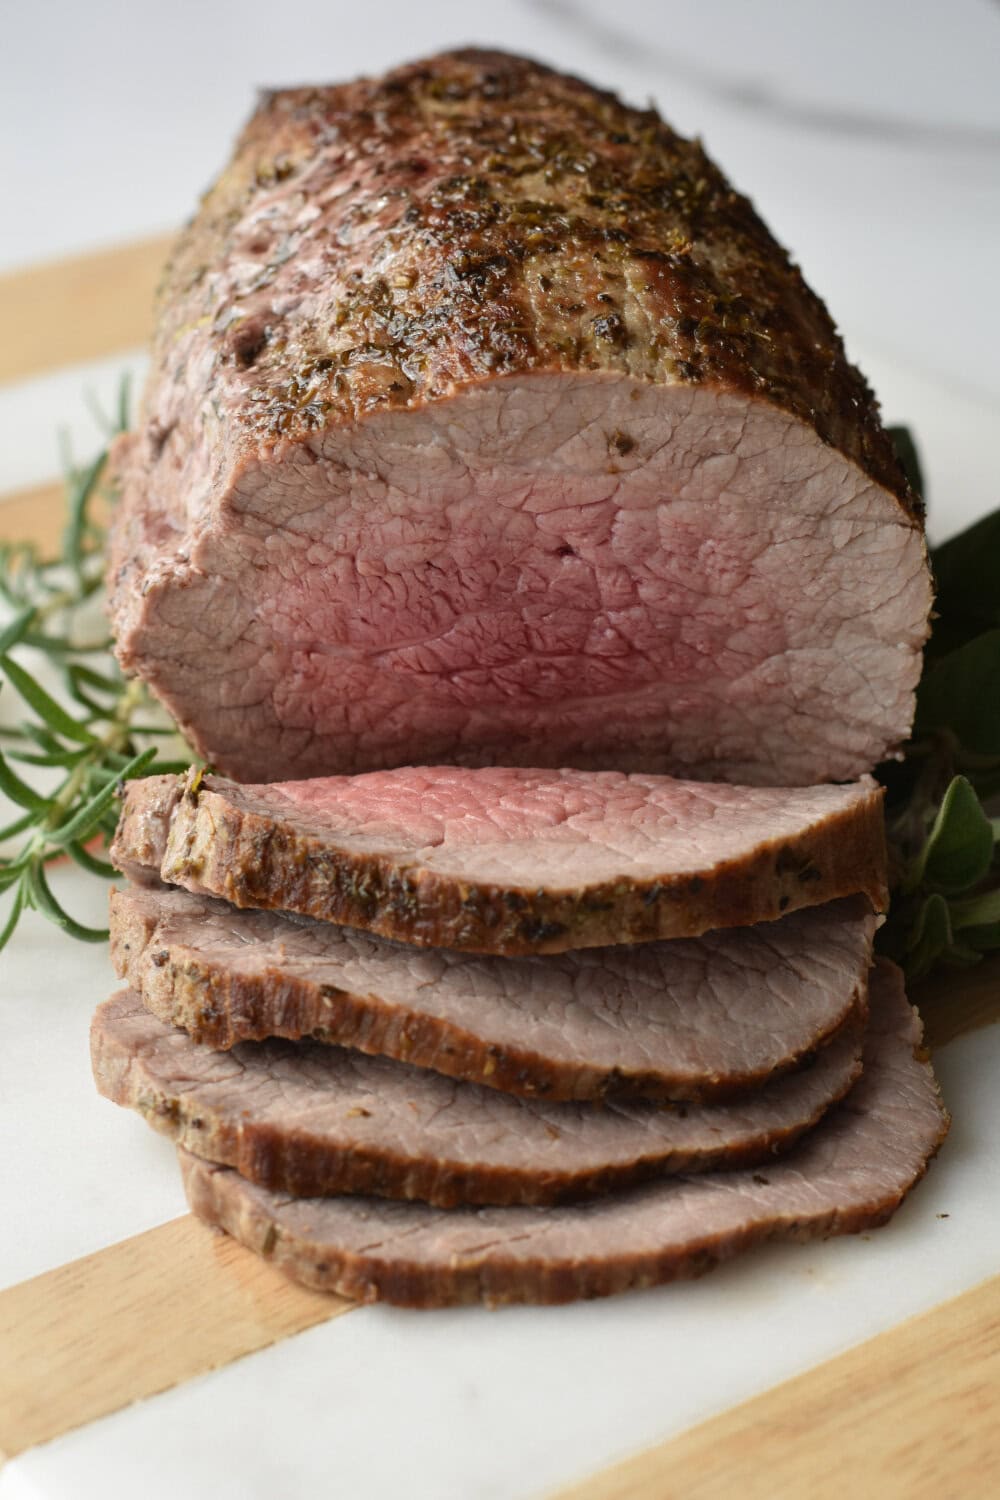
(475,215)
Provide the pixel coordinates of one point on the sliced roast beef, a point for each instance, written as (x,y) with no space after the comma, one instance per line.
(689,1019)
(310,1119)
(848,1174)
(487,424)
(507,860)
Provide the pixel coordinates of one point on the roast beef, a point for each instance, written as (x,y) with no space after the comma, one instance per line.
(507,860)
(309,1119)
(487,424)
(848,1174)
(690,1019)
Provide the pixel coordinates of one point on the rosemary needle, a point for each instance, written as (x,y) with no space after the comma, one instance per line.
(93,736)
(944,849)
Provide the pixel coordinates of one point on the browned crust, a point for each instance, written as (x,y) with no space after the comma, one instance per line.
(291,1160)
(219,844)
(493,217)
(478,217)
(214,1196)
(219,1007)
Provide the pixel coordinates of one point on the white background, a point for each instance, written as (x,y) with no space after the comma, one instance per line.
(868,132)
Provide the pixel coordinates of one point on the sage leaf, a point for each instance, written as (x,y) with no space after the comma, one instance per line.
(959,849)
(930,937)
(961,693)
(906,452)
(983,939)
(967,575)
(961,955)
(976,911)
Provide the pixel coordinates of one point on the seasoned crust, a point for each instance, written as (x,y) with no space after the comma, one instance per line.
(475,282)
(697,1020)
(315,1121)
(848,1175)
(255,848)
(492,216)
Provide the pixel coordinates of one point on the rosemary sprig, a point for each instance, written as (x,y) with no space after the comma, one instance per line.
(87,728)
(103,729)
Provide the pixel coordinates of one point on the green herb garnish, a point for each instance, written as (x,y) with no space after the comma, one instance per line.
(944,847)
(81,745)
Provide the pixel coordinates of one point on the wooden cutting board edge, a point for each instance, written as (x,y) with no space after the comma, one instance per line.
(84,307)
(160,1308)
(912,1414)
(134,1319)
(143,1315)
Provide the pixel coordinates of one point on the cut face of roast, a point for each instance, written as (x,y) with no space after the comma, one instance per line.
(848,1174)
(312,1120)
(506,860)
(688,1019)
(504,433)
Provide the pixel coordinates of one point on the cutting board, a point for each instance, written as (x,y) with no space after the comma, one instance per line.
(152,1311)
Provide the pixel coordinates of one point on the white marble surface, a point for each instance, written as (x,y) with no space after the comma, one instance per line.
(868,133)
(457,1405)
(870,137)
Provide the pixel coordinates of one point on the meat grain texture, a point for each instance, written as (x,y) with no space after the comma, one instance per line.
(488,424)
(509,861)
(489,429)
(849,1174)
(693,1019)
(315,1120)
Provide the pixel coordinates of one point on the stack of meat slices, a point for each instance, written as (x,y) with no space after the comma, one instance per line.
(488,424)
(438,1035)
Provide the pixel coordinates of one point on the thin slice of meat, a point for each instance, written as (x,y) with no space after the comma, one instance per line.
(695,1018)
(506,860)
(849,1174)
(488,424)
(312,1120)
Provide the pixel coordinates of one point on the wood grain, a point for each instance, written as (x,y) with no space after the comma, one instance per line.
(144,1315)
(84,308)
(913,1414)
(34,515)
(134,1319)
